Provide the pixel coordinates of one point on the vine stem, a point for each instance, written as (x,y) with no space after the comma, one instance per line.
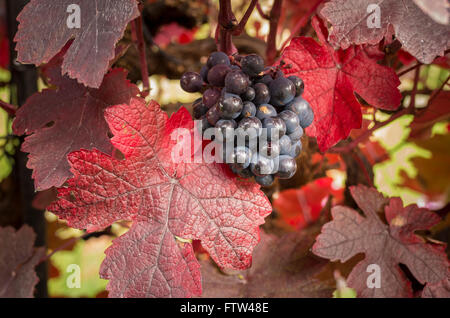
(138,37)
(227,22)
(261,12)
(363,167)
(301,23)
(275,14)
(412,103)
(409,69)
(438,91)
(10,109)
(238,30)
(369,132)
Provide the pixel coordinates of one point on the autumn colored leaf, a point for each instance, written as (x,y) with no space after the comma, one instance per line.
(44,30)
(18,260)
(331,80)
(386,246)
(173,32)
(301,207)
(437,10)
(71,117)
(282,267)
(440,289)
(438,110)
(419,34)
(169,203)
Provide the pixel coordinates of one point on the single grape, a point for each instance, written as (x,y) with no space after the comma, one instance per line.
(304,111)
(296,148)
(217,58)
(213,115)
(296,134)
(249,110)
(204,73)
(266,111)
(285,145)
(291,120)
(216,75)
(282,91)
(230,106)
(225,129)
(262,166)
(262,94)
(199,109)
(287,166)
(202,124)
(269,149)
(265,181)
(249,94)
(276,128)
(298,83)
(211,97)
(248,128)
(236,82)
(266,79)
(191,82)
(252,65)
(240,158)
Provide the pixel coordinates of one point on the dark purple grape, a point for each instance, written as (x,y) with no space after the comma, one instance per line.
(230,106)
(262,166)
(266,79)
(213,115)
(252,65)
(265,181)
(236,82)
(287,166)
(269,149)
(204,73)
(285,145)
(296,148)
(249,110)
(298,83)
(304,111)
(276,128)
(216,75)
(199,109)
(262,95)
(282,91)
(202,124)
(217,58)
(240,158)
(291,120)
(266,111)
(225,129)
(296,134)
(211,97)
(191,82)
(249,128)
(249,94)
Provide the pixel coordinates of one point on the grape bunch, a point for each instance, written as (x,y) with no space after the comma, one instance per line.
(258,114)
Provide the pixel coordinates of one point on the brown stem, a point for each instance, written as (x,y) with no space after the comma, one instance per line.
(436,93)
(261,12)
(275,14)
(138,36)
(369,132)
(10,109)
(238,30)
(227,22)
(409,69)
(301,23)
(363,168)
(412,104)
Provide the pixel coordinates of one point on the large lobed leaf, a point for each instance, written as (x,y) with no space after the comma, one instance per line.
(384,245)
(419,34)
(67,119)
(18,260)
(166,201)
(331,80)
(43,32)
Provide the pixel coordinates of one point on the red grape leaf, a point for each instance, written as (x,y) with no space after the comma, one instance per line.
(438,110)
(43,32)
(67,119)
(384,245)
(437,10)
(440,289)
(166,201)
(282,267)
(331,78)
(301,207)
(419,34)
(19,258)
